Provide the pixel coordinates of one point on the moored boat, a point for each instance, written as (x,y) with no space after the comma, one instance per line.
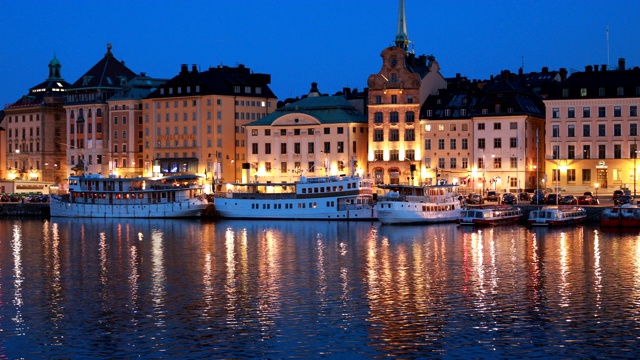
(557,215)
(314,198)
(140,197)
(490,215)
(622,216)
(407,204)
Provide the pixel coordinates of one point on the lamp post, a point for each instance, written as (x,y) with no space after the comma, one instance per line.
(596,186)
(635,169)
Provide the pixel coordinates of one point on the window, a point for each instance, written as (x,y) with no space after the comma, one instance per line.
(586,112)
(571,175)
(441,163)
(571,152)
(571,112)
(453,163)
(555,131)
(633,110)
(497,126)
(452,144)
(410,154)
(409,117)
(555,175)
(394,99)
(427,144)
(296,148)
(427,128)
(312,166)
(377,118)
(513,162)
(327,147)
(327,131)
(617,111)
(378,155)
(602,130)
(586,130)
(481,144)
(283,148)
(497,163)
(394,135)
(440,127)
(601,92)
(602,151)
(633,151)
(453,127)
(556,152)
(394,155)
(480,126)
(583,92)
(480,163)
(340,130)
(513,143)
(465,144)
(497,143)
(409,135)
(267,148)
(378,99)
(617,151)
(340,147)
(465,163)
(555,113)
(617,129)
(311,148)
(602,111)
(393,117)
(633,129)
(586,175)
(586,151)
(440,144)
(378,135)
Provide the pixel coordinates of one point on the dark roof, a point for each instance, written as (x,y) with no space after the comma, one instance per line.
(459,94)
(595,79)
(48,89)
(327,109)
(220,80)
(420,64)
(109,72)
(137,88)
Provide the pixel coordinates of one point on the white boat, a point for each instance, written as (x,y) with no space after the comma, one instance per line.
(490,215)
(621,216)
(406,204)
(95,196)
(557,215)
(314,198)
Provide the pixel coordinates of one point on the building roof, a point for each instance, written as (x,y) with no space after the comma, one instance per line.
(53,89)
(221,80)
(109,72)
(599,82)
(137,88)
(460,94)
(327,109)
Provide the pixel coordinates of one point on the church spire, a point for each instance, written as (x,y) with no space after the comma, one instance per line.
(402,39)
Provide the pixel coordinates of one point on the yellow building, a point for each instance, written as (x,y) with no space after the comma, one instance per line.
(194,123)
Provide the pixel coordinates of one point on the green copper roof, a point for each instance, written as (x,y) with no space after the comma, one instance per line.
(327,109)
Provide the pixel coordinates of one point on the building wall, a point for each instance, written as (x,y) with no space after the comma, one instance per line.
(88,139)
(580,162)
(125,136)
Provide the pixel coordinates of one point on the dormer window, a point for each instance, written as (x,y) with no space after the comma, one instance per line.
(236,89)
(583,92)
(620,91)
(565,93)
(247,89)
(161,91)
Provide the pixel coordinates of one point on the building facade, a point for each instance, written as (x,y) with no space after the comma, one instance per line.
(592,131)
(315,136)
(35,128)
(194,122)
(87,115)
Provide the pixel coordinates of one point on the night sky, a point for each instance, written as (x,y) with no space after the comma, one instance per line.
(334,43)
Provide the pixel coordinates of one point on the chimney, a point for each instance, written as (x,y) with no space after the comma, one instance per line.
(603,67)
(184,69)
(621,64)
(194,69)
(595,68)
(520,71)
(458,76)
(545,69)
(563,74)
(588,68)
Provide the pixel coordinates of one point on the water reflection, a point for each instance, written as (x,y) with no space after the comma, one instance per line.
(264,289)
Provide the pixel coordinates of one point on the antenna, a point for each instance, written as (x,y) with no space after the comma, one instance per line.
(607,45)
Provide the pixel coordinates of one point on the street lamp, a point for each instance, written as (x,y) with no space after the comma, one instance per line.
(596,186)
(635,169)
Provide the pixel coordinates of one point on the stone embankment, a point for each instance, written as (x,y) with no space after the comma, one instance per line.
(28,209)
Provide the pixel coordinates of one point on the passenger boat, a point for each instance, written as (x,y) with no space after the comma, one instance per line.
(623,216)
(557,215)
(490,215)
(313,198)
(94,196)
(407,204)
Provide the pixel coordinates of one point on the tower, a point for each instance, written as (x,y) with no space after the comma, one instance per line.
(402,39)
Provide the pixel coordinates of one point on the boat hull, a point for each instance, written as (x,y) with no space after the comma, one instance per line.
(408,213)
(490,222)
(180,209)
(277,210)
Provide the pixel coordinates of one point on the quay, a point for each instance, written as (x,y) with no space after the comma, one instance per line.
(26,209)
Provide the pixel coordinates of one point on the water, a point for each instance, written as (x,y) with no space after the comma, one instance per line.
(77,288)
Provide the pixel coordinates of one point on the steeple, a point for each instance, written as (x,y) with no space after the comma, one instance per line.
(54,69)
(402,39)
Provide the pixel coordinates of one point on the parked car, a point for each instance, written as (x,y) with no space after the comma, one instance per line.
(509,198)
(589,193)
(475,199)
(492,195)
(551,199)
(616,195)
(624,199)
(569,200)
(524,196)
(538,197)
(586,200)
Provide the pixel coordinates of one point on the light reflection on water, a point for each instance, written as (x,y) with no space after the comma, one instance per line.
(263,289)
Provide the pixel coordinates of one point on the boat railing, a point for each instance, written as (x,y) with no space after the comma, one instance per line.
(254,195)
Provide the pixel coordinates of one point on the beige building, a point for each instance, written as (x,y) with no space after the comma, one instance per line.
(592,131)
(35,129)
(87,116)
(313,137)
(194,123)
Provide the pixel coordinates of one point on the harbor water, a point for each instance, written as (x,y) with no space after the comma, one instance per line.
(120,288)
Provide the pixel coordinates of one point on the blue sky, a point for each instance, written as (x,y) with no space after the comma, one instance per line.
(336,43)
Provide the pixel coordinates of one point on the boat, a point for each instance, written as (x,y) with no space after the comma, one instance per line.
(410,204)
(95,196)
(490,215)
(556,215)
(309,198)
(622,216)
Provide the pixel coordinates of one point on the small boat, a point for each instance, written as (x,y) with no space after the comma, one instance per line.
(95,196)
(407,204)
(313,198)
(490,215)
(622,216)
(557,215)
